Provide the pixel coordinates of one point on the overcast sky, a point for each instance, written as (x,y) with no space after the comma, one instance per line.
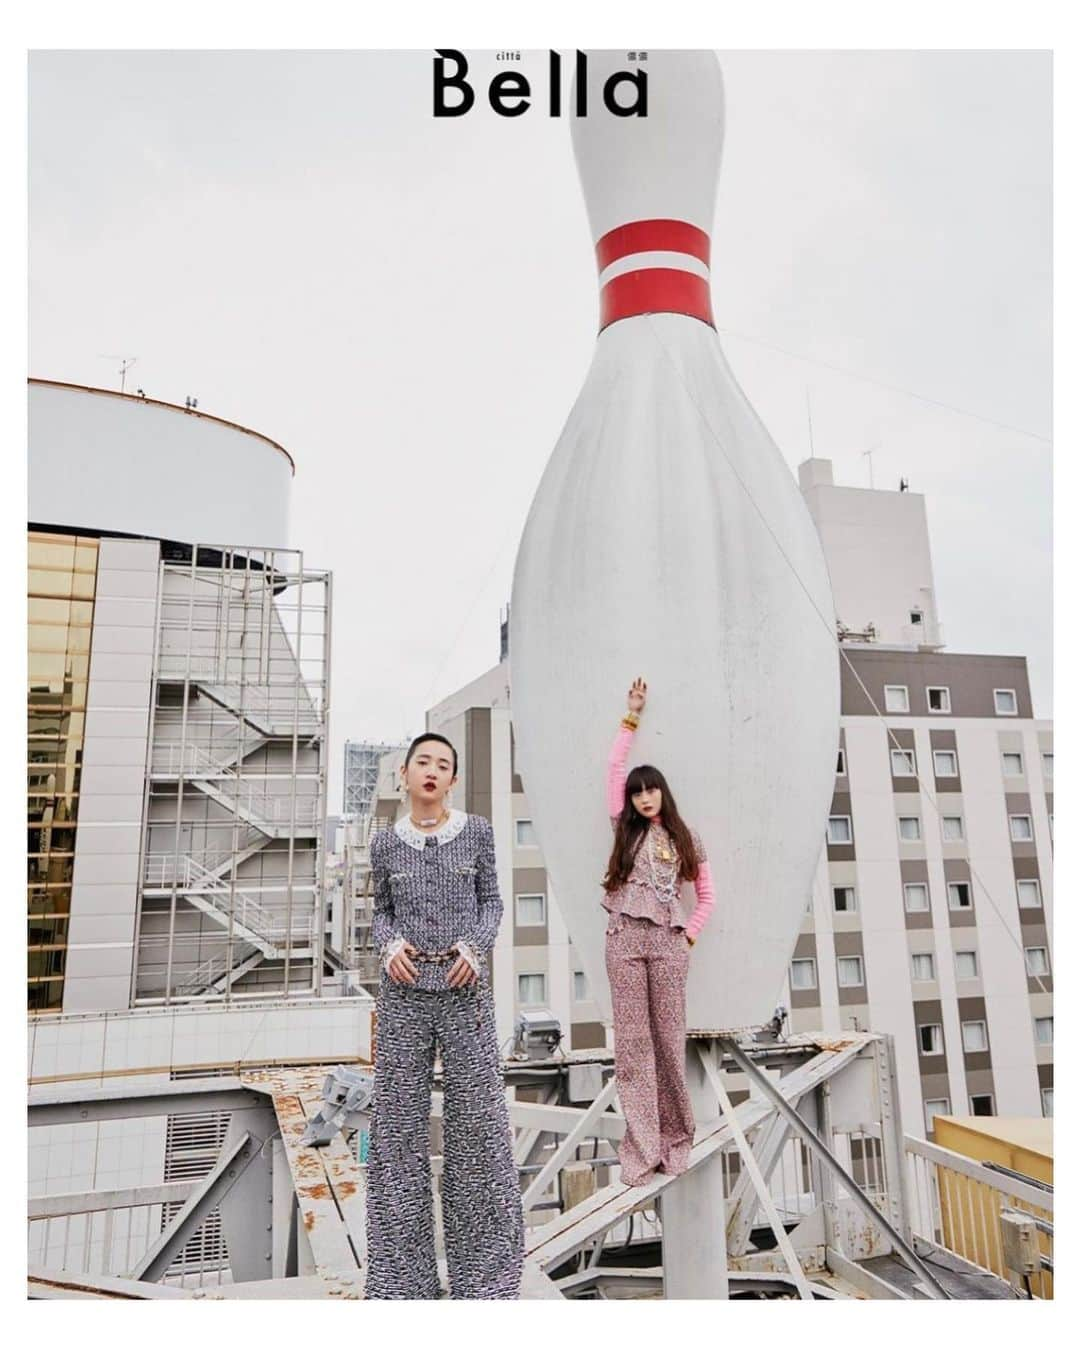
(409,306)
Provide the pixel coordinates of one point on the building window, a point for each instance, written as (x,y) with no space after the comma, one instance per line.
(1020,828)
(839,828)
(1048,764)
(1005,702)
(1044,1030)
(945,763)
(903,763)
(922,967)
(1037,960)
(581,987)
(849,971)
(930,1041)
(896,699)
(982,1105)
(525,834)
(916,618)
(910,828)
(532,990)
(1028,895)
(804,973)
(916,897)
(937,698)
(952,828)
(974,1037)
(841,766)
(530,911)
(931,1109)
(1012,763)
(1047,1094)
(61,584)
(967,965)
(959,895)
(843,898)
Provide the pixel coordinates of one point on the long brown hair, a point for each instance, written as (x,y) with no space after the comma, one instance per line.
(631,827)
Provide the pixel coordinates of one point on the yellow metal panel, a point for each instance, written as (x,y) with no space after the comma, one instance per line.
(970,1211)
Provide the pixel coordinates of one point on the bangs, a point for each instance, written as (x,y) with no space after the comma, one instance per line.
(644,779)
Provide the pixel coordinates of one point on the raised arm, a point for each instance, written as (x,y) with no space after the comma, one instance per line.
(616,770)
(620,749)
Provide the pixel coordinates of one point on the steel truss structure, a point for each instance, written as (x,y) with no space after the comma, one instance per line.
(805,1145)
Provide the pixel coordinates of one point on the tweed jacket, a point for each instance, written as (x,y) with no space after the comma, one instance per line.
(436,890)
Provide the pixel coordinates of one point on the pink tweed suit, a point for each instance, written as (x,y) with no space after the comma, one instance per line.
(647,957)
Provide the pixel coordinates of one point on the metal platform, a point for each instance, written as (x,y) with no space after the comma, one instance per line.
(803,1152)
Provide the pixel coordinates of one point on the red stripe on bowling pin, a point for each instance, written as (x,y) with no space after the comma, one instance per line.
(652,236)
(654,266)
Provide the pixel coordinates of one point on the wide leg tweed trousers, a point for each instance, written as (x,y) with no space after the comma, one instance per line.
(483,1223)
(647,966)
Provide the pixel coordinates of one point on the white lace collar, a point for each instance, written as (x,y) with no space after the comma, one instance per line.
(416,838)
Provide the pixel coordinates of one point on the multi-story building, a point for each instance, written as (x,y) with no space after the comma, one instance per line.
(931,912)
(361,774)
(177,710)
(931,916)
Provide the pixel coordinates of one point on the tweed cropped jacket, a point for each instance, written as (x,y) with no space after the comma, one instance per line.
(436,891)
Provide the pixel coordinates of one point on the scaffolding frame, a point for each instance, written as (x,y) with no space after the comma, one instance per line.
(234,810)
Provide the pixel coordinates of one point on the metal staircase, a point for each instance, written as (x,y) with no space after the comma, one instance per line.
(213,975)
(239,723)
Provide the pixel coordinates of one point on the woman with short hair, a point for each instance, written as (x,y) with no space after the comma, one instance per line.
(436,915)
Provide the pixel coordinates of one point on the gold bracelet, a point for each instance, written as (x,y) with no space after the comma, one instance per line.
(630,721)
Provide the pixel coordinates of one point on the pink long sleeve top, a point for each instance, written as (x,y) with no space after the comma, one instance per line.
(652,890)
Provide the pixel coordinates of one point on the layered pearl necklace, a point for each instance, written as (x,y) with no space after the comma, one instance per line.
(666,889)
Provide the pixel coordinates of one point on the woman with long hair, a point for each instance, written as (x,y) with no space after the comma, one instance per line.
(647,955)
(436,915)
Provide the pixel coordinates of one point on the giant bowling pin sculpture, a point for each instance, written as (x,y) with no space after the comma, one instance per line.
(668,539)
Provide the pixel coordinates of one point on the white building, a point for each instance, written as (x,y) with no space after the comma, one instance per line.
(932,911)
(176,792)
(179,657)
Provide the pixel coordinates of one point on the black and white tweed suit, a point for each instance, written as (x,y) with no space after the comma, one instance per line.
(436,890)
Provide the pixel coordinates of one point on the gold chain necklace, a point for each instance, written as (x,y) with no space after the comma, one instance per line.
(441,820)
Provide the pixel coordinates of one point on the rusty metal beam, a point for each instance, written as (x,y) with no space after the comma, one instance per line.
(335,1258)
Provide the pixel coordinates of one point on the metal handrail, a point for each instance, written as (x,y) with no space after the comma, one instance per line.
(957,1204)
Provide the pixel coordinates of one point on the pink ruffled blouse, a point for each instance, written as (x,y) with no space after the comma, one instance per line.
(653,890)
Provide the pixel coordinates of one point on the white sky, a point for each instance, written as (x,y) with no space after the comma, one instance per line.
(409,305)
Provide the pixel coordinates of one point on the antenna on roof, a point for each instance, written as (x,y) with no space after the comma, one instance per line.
(126,362)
